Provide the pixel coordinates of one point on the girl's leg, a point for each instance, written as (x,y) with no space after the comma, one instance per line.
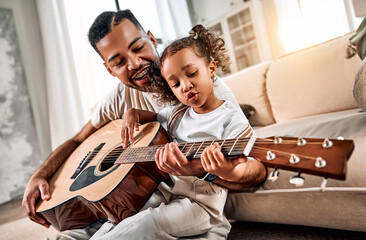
(178,219)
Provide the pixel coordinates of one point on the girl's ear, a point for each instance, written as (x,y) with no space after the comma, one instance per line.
(212,68)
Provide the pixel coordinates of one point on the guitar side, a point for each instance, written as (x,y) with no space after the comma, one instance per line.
(100,190)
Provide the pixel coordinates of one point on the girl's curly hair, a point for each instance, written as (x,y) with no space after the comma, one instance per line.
(205,44)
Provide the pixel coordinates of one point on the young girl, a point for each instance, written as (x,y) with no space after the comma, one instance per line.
(191,206)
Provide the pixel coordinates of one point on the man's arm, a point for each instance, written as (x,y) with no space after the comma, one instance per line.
(253,176)
(38,186)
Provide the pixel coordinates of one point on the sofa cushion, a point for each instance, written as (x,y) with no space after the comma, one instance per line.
(249,88)
(312,81)
(340,205)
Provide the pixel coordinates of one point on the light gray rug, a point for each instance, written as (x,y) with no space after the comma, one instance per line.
(268,231)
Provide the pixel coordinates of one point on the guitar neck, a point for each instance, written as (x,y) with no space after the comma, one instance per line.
(193,150)
(322,157)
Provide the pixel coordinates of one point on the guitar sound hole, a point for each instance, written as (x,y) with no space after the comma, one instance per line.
(109,160)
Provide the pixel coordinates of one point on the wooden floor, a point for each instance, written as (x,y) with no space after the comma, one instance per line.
(11,211)
(14,224)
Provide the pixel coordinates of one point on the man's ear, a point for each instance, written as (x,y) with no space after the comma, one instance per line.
(212,68)
(109,69)
(152,38)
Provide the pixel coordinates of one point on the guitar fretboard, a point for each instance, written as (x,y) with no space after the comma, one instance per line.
(306,155)
(229,147)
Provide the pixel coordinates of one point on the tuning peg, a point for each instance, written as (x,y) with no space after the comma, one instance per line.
(297,180)
(273,175)
(270,156)
(277,140)
(294,159)
(320,162)
(301,141)
(327,143)
(340,138)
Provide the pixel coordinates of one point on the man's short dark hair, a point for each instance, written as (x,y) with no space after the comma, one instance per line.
(104,23)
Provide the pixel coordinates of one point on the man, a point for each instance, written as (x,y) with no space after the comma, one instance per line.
(129,53)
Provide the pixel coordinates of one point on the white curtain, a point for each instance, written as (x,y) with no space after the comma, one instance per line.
(64,104)
(174,19)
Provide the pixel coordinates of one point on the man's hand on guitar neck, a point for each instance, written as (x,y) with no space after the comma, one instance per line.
(37,188)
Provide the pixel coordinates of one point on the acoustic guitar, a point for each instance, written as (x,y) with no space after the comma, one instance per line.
(101,180)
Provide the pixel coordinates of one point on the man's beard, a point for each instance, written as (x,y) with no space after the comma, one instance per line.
(157,80)
(153,74)
(160,88)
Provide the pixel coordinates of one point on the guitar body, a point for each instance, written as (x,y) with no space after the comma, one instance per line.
(102,190)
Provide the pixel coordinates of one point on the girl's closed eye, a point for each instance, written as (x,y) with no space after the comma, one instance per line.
(174,84)
(192,74)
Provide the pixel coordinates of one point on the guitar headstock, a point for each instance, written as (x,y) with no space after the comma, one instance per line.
(322,157)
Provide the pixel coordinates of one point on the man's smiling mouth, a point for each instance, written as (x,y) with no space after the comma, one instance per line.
(141,73)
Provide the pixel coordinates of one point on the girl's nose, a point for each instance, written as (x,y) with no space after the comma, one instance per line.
(187,85)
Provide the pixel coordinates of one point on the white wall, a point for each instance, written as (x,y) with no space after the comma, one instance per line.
(24,131)
(209,10)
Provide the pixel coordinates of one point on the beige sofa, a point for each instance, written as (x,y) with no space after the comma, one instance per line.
(306,94)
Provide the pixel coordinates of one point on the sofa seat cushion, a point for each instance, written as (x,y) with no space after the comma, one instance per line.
(340,205)
(249,87)
(312,81)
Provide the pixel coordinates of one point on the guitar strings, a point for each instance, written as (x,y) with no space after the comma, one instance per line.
(117,151)
(140,152)
(282,153)
(254,150)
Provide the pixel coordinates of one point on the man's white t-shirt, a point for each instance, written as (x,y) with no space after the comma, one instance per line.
(122,98)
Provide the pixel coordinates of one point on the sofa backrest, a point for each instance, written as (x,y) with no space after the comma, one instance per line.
(312,81)
(249,87)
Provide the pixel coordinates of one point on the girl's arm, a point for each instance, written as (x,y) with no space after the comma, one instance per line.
(131,120)
(213,161)
(252,173)
(236,173)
